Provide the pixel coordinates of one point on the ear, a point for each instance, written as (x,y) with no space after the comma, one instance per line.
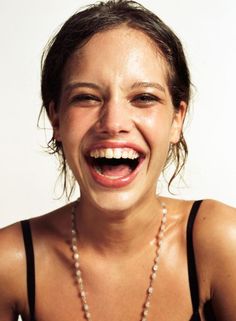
(177,124)
(54,119)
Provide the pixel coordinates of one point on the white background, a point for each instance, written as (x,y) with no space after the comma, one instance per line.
(208,32)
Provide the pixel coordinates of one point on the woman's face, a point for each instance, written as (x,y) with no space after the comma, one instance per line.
(116,119)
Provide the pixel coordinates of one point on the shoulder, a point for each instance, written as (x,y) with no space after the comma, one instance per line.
(46,230)
(215,247)
(12,267)
(215,225)
(12,251)
(215,229)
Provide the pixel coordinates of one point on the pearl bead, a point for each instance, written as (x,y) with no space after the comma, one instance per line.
(150,290)
(83,294)
(145,312)
(76,256)
(88,315)
(163,219)
(155,267)
(74,248)
(86,307)
(147,304)
(80,281)
(164,211)
(161,235)
(78,272)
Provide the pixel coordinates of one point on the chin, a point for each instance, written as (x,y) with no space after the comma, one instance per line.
(115,201)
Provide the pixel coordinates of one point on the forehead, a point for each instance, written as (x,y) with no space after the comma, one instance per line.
(122,34)
(121,50)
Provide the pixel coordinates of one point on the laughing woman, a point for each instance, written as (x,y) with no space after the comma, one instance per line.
(116,88)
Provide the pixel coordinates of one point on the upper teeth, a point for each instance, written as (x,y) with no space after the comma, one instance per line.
(114,153)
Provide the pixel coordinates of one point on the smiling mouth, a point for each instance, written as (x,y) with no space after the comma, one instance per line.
(114,163)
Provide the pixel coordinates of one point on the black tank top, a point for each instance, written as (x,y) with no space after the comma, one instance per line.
(192,272)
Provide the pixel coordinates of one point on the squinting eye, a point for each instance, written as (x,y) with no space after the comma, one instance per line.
(145,99)
(85,99)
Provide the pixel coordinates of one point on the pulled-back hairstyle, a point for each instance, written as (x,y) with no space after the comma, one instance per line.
(102,16)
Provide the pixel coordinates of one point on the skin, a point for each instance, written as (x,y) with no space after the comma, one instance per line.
(117,227)
(118,114)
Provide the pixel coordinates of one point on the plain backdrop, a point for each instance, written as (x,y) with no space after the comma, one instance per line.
(28,175)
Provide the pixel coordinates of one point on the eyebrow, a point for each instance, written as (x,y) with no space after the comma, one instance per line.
(81,84)
(148,84)
(139,84)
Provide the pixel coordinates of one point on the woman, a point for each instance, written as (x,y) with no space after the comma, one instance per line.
(116,88)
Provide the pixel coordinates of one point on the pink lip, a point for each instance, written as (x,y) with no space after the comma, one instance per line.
(117,182)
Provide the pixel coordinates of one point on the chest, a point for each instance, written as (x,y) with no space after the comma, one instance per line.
(112,295)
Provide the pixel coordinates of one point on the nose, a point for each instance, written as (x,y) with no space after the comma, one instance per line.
(115,118)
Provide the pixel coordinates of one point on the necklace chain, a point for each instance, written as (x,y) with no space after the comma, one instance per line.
(78,273)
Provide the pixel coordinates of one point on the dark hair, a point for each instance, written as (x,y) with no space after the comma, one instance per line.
(77,31)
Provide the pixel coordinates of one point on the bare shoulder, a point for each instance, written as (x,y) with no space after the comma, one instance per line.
(12,267)
(13,283)
(215,229)
(215,247)
(216,224)
(12,251)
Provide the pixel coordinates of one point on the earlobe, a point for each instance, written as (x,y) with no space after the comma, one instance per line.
(54,120)
(178,121)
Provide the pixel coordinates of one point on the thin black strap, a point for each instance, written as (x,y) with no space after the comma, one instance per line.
(29,251)
(192,272)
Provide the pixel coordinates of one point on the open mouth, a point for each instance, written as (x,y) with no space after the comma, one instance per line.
(114,163)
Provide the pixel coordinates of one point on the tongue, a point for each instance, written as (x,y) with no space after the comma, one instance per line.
(115,171)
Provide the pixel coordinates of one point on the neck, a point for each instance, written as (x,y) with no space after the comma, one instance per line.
(118,233)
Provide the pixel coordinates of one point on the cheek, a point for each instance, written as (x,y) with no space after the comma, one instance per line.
(74,124)
(156,127)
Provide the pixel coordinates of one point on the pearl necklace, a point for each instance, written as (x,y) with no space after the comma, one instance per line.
(78,273)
